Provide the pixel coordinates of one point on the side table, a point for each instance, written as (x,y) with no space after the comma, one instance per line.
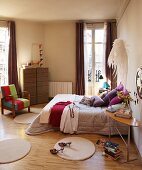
(132,122)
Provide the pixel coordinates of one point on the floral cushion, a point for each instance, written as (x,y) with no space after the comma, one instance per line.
(86,101)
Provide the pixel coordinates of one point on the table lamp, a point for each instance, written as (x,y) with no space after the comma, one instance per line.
(105,85)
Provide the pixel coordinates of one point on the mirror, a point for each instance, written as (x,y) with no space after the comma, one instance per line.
(139,82)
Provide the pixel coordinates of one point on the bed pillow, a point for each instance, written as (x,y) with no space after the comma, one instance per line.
(103,94)
(120,87)
(109,96)
(115,100)
(94,98)
(125,92)
(98,102)
(86,101)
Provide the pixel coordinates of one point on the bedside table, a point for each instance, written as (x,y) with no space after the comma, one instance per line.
(131,122)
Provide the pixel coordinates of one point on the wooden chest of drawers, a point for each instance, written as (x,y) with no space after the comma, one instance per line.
(35,81)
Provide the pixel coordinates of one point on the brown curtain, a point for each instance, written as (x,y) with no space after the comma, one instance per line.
(111,35)
(80,80)
(12,56)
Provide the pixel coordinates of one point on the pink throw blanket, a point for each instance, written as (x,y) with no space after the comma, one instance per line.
(56,113)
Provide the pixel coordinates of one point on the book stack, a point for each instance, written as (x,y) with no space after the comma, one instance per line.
(112,150)
(123,113)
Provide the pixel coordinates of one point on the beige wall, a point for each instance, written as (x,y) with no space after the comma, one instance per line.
(130,30)
(58,39)
(59,42)
(27,33)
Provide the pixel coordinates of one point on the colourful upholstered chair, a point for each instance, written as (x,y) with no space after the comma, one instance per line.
(10,100)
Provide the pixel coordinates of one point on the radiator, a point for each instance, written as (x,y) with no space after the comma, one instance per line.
(59,88)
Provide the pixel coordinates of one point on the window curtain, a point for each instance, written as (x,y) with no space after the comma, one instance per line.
(111,35)
(12,55)
(80,82)
(86,64)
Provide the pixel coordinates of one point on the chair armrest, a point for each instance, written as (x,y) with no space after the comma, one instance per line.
(26,94)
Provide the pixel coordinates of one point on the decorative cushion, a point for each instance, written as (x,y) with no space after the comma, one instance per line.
(115,100)
(103,94)
(120,87)
(94,98)
(86,101)
(98,102)
(109,96)
(125,92)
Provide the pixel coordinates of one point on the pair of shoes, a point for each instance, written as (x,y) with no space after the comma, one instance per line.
(62,145)
(55,151)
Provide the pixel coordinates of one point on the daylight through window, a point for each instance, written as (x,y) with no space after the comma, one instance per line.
(94,47)
(4,40)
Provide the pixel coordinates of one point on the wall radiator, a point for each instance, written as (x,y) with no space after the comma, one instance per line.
(59,88)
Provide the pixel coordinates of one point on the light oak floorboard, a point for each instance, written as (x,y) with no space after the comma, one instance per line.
(40,157)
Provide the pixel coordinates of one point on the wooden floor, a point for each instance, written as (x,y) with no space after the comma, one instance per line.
(40,158)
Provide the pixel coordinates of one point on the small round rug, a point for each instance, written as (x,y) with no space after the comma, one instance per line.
(13,149)
(79,149)
(25,118)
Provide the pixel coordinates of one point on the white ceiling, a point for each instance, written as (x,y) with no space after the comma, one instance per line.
(53,10)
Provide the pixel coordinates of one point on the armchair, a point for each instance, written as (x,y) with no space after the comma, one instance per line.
(11,101)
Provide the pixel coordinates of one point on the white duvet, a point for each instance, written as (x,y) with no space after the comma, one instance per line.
(86,120)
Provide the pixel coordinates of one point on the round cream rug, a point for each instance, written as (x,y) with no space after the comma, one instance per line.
(26,118)
(13,149)
(79,149)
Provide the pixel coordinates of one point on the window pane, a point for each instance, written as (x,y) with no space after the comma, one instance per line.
(89,58)
(99,35)
(3,56)
(2,35)
(98,70)
(99,52)
(88,36)
(99,66)
(94,48)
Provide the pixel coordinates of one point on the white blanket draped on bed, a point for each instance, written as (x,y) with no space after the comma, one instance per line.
(45,113)
(69,119)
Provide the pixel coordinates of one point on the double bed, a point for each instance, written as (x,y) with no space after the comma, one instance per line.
(87,119)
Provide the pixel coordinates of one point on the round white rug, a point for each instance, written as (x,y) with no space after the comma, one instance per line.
(79,149)
(13,149)
(26,118)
